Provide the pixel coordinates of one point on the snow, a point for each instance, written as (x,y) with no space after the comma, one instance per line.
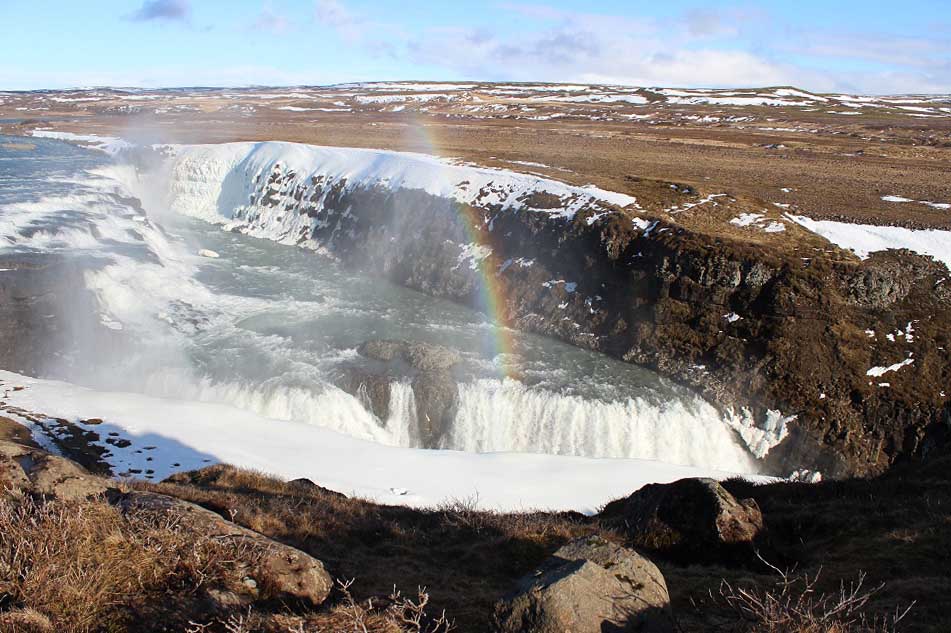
(212,181)
(633,99)
(864,239)
(747,219)
(108,144)
(732,317)
(786,92)
(759,221)
(761,438)
(935,205)
(879,371)
(387,474)
(367,100)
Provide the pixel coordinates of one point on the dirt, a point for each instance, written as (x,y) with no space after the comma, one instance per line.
(800,346)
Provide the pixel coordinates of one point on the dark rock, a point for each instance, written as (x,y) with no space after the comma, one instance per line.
(373,390)
(437,395)
(419,355)
(430,357)
(427,365)
(689,517)
(306,485)
(588,586)
(381,350)
(282,572)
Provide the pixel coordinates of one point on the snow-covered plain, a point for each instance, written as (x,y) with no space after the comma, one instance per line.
(865,239)
(196,434)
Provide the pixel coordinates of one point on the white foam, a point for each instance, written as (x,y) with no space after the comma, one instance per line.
(219,433)
(506,415)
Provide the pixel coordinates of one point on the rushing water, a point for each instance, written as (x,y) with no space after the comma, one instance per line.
(270,328)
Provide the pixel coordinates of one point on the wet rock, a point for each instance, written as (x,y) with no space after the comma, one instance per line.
(29,470)
(381,350)
(437,396)
(373,390)
(691,517)
(279,571)
(419,355)
(428,366)
(429,357)
(588,586)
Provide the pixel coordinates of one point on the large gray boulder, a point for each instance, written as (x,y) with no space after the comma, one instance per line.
(29,470)
(695,517)
(271,571)
(588,586)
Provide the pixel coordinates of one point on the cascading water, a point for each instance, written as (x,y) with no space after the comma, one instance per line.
(269,328)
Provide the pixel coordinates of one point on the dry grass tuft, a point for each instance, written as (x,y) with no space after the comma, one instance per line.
(83,566)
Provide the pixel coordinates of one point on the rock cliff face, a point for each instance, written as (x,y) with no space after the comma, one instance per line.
(850,356)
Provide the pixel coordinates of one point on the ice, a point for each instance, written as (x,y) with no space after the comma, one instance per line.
(422,478)
(108,144)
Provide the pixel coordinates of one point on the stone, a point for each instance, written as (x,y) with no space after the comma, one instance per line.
(373,390)
(696,516)
(280,571)
(419,355)
(588,586)
(436,395)
(29,470)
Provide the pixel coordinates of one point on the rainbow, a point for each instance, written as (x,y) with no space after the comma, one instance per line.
(491,299)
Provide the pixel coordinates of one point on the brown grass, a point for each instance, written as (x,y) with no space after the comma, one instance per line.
(83,566)
(466,557)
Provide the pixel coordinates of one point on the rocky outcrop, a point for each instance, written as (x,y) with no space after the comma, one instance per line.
(588,586)
(697,519)
(268,570)
(25,469)
(263,569)
(775,322)
(426,366)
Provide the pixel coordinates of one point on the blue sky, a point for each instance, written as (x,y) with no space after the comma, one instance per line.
(829,45)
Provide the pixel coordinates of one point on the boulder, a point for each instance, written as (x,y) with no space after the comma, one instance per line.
(697,516)
(373,390)
(419,355)
(427,365)
(588,586)
(436,395)
(29,470)
(273,570)
(430,357)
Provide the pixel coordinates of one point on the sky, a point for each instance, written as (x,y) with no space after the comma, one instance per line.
(858,46)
